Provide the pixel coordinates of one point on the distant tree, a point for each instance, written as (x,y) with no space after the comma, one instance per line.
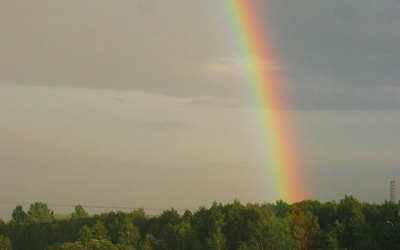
(362,235)
(101,245)
(305,229)
(186,236)
(278,226)
(5,243)
(85,235)
(2,226)
(129,235)
(39,212)
(268,231)
(67,246)
(79,213)
(281,208)
(99,231)
(330,241)
(169,216)
(36,230)
(350,208)
(235,218)
(139,220)
(201,223)
(350,215)
(327,214)
(92,245)
(216,239)
(150,243)
(18,215)
(165,228)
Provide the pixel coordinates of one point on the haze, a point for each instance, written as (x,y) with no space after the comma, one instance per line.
(142,104)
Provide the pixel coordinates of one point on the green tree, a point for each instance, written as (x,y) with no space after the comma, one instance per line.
(79,213)
(101,245)
(350,208)
(99,231)
(330,241)
(39,212)
(139,220)
(165,228)
(216,239)
(67,246)
(129,235)
(268,231)
(305,229)
(36,230)
(235,224)
(281,208)
(362,235)
(201,223)
(85,234)
(149,243)
(5,243)
(327,214)
(186,236)
(18,215)
(352,223)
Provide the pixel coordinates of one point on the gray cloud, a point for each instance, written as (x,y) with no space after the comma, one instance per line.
(166,125)
(355,39)
(315,92)
(339,54)
(114,45)
(331,54)
(218,103)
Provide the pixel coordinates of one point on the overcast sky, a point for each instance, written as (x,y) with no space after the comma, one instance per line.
(141,103)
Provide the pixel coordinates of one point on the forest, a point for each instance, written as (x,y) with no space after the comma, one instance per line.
(309,224)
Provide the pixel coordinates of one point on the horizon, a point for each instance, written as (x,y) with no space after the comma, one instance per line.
(65,210)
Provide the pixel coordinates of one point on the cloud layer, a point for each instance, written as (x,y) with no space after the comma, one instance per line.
(331,54)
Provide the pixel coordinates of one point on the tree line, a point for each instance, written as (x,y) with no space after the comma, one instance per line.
(309,224)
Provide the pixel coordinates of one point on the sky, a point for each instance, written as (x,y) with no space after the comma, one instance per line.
(141,103)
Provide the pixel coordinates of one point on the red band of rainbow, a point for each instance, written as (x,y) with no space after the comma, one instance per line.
(267,93)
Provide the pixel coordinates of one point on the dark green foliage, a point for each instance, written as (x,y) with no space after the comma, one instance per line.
(5,243)
(129,234)
(18,215)
(85,235)
(347,224)
(99,231)
(39,213)
(267,231)
(236,224)
(304,229)
(79,213)
(216,239)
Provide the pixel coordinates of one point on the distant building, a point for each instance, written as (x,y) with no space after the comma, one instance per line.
(393,191)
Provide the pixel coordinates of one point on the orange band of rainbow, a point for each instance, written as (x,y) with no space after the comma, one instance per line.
(267,93)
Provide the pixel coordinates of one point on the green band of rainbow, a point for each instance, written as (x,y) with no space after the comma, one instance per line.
(267,93)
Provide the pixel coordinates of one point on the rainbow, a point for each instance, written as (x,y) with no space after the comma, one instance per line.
(266,90)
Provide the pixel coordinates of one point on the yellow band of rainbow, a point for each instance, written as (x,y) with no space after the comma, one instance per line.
(267,93)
